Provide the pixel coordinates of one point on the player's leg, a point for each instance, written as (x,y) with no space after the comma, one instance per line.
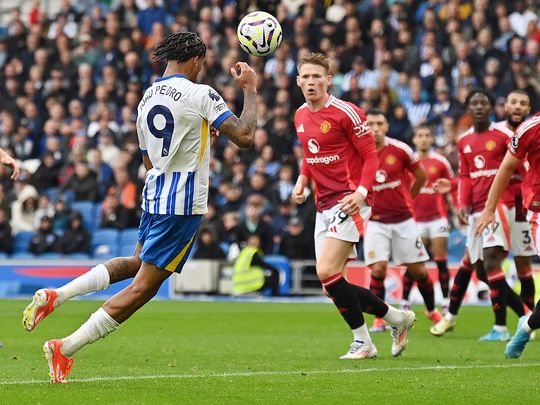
(493,257)
(408,248)
(376,286)
(105,320)
(457,293)
(330,264)
(407,282)
(525,274)
(439,249)
(98,278)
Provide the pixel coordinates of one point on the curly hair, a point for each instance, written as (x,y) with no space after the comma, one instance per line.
(180,47)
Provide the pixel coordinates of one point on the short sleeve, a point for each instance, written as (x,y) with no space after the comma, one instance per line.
(140,136)
(212,106)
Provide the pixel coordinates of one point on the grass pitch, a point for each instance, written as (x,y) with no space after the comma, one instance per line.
(230,352)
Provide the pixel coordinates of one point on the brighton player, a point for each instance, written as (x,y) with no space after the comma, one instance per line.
(481,150)
(174,118)
(431,210)
(392,229)
(340,158)
(525,144)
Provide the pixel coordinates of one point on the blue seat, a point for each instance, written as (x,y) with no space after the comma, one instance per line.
(105,243)
(3,255)
(23,255)
(82,256)
(128,237)
(225,247)
(22,241)
(49,256)
(126,250)
(456,246)
(86,209)
(284,265)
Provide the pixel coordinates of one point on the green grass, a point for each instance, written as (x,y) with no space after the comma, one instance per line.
(258,352)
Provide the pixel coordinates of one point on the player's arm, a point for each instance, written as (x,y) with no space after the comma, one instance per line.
(464,190)
(298,194)
(362,139)
(7,160)
(501,181)
(241,130)
(419,180)
(142,145)
(146,161)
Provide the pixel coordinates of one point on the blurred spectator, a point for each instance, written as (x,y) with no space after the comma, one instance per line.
(45,239)
(83,183)
(44,209)
(23,209)
(6,239)
(46,175)
(75,238)
(115,215)
(295,243)
(208,246)
(62,213)
(253,224)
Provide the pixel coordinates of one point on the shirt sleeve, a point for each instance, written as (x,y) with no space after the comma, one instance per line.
(211,105)
(140,136)
(447,172)
(412,162)
(359,133)
(519,145)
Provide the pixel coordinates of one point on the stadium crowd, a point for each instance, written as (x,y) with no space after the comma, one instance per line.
(70,84)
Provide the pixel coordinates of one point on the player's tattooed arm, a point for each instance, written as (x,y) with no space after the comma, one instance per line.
(241,130)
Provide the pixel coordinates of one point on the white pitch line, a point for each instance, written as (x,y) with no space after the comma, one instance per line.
(273,373)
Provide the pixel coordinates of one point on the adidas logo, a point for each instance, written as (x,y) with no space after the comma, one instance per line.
(467,149)
(300,128)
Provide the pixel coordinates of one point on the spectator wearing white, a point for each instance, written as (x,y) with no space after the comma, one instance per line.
(366,77)
(520,18)
(417,110)
(23,209)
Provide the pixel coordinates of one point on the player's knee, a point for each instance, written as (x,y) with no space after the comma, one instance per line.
(325,270)
(134,264)
(378,270)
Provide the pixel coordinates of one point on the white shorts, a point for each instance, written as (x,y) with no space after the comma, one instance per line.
(534,220)
(521,240)
(402,240)
(438,228)
(491,237)
(332,223)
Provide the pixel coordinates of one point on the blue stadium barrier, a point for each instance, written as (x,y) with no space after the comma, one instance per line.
(22,255)
(49,256)
(456,246)
(78,256)
(283,264)
(3,255)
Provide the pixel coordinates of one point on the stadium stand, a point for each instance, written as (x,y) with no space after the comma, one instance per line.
(72,74)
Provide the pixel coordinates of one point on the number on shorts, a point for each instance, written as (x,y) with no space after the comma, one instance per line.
(526,237)
(342,217)
(164,133)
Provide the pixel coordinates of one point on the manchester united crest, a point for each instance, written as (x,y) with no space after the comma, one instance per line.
(490,145)
(325,127)
(432,170)
(390,159)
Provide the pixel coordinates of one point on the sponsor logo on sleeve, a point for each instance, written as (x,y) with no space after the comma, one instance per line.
(220,107)
(213,95)
(362,129)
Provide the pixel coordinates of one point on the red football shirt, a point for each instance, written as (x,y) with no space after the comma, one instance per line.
(480,155)
(428,204)
(393,202)
(526,144)
(339,150)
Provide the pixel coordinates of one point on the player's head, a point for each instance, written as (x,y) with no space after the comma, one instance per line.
(517,107)
(182,48)
(423,137)
(313,76)
(378,122)
(480,105)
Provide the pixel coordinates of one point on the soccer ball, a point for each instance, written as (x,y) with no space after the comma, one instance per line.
(259,33)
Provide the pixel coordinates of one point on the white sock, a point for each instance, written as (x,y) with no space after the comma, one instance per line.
(450,317)
(98,326)
(525,326)
(500,328)
(446,302)
(394,316)
(362,334)
(96,279)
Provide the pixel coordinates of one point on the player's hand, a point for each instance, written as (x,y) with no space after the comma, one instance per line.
(245,76)
(442,186)
(214,133)
(463,216)
(351,203)
(7,160)
(298,195)
(486,218)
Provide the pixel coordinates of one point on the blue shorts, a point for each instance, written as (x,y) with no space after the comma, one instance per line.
(167,239)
